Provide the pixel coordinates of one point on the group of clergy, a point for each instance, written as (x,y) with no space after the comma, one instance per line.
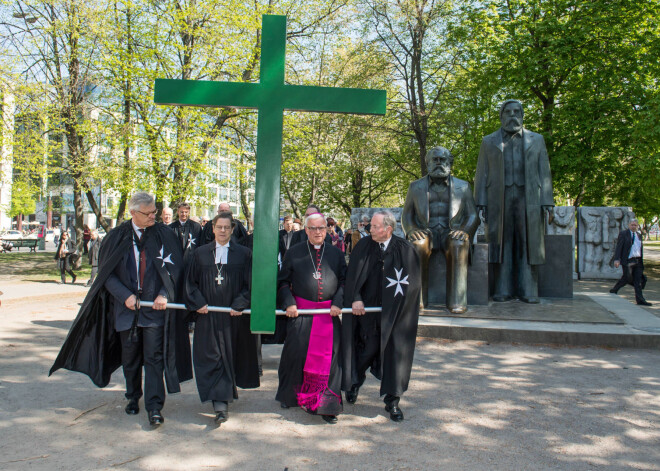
(143,260)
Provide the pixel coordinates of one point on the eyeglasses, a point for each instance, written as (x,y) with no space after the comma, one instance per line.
(223,228)
(150,213)
(316,229)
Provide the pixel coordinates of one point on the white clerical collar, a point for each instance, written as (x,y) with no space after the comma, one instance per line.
(138,230)
(386,243)
(218,245)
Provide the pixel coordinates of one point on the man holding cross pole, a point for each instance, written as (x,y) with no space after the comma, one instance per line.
(224,349)
(312,277)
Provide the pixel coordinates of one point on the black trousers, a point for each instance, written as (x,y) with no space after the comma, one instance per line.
(367,348)
(147,352)
(63,271)
(632,274)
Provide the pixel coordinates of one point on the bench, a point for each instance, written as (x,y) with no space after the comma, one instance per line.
(18,243)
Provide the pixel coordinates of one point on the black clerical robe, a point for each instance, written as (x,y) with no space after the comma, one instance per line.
(391,280)
(296,279)
(224,349)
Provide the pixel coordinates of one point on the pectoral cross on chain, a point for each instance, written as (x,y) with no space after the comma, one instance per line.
(219,278)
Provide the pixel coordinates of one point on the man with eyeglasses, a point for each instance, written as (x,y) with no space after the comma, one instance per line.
(224,349)
(139,260)
(312,277)
(239,234)
(301,235)
(383,272)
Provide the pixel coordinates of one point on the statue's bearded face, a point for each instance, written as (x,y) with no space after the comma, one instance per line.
(438,164)
(512,117)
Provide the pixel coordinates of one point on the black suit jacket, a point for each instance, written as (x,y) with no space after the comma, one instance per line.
(123,282)
(623,245)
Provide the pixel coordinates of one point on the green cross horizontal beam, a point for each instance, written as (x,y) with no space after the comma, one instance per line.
(271,96)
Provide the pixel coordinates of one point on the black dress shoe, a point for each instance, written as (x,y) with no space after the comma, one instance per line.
(395,413)
(499,298)
(352,395)
(613,291)
(221,416)
(155,417)
(283,405)
(132,407)
(644,303)
(331,419)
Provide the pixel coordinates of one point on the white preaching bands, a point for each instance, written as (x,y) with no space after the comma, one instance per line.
(247,311)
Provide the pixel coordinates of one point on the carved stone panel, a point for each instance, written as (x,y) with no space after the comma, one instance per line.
(598,228)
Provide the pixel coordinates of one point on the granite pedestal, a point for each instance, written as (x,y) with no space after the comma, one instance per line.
(556,275)
(477,277)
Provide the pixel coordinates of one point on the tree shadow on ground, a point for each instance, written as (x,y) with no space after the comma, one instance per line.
(470,405)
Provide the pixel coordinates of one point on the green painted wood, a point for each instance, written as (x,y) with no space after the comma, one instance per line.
(271,97)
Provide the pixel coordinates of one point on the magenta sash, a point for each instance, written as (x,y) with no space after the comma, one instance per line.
(316,372)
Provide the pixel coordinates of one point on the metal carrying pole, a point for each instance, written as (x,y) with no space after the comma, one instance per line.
(247,311)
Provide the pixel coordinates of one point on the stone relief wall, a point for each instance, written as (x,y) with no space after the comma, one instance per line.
(598,228)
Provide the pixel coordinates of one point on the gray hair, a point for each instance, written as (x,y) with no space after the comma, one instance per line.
(168,210)
(633,220)
(315,216)
(140,198)
(503,105)
(388,218)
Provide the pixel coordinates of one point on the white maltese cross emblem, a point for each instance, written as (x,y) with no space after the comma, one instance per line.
(398,282)
(164,259)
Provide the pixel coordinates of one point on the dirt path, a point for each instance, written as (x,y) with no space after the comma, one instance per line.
(470,406)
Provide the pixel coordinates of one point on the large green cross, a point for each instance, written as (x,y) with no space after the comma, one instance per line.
(271,97)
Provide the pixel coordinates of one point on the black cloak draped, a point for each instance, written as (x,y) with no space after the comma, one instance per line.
(93,347)
(400,303)
(224,349)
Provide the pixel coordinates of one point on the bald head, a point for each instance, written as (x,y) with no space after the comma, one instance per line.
(224,208)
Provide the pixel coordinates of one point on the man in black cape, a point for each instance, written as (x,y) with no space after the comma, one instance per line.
(187,231)
(111,328)
(312,277)
(383,272)
(239,234)
(224,349)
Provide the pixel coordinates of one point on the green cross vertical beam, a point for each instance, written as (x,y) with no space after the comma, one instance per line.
(271,97)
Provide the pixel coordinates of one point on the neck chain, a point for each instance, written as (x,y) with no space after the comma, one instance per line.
(317,270)
(218,267)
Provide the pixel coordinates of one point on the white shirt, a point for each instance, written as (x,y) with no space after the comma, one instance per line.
(221,253)
(136,252)
(386,243)
(636,247)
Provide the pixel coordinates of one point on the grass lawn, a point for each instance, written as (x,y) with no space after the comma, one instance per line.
(40,266)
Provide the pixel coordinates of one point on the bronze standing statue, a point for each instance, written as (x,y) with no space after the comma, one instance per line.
(513,188)
(439,214)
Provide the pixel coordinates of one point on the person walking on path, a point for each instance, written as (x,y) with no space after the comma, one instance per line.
(629,255)
(66,249)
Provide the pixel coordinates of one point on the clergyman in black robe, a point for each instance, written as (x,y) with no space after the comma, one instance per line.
(224,349)
(312,276)
(383,272)
(112,330)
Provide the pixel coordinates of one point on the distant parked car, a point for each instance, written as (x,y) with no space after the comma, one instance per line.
(12,235)
(32,235)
